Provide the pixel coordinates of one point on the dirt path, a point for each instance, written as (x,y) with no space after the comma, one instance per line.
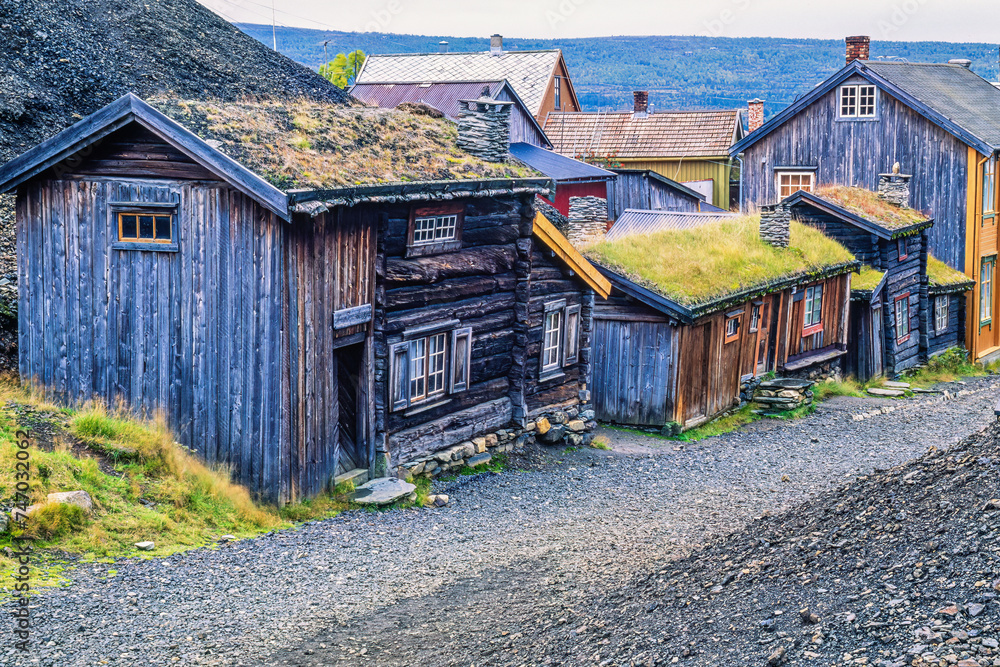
(467,584)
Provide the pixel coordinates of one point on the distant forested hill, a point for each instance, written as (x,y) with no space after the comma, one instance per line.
(678,72)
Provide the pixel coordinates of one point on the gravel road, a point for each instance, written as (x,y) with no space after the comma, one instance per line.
(462,585)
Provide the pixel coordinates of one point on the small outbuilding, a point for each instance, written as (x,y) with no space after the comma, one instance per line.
(696,314)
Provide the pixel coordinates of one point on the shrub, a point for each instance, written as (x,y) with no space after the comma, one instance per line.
(53,520)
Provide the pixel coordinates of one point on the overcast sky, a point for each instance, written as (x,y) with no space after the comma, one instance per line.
(910,20)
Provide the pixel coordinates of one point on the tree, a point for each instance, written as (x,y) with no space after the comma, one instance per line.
(343,70)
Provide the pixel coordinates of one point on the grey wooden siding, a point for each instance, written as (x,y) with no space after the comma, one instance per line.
(637,190)
(521,126)
(194,333)
(855,152)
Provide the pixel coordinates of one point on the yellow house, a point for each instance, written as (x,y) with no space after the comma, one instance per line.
(690,147)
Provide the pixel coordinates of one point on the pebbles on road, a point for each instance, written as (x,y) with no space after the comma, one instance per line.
(510,558)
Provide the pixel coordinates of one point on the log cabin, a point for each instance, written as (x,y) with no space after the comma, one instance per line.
(936,120)
(895,322)
(646,190)
(296,300)
(696,314)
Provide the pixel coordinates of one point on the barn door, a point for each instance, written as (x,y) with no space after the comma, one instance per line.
(352,444)
(632,371)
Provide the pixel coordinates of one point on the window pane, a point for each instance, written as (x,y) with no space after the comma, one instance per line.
(162,228)
(436,361)
(418,368)
(550,340)
(866,101)
(128,226)
(145,226)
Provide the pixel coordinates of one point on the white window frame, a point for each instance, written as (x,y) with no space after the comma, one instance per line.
(755,317)
(902,317)
(942,306)
(791,173)
(986,289)
(429,364)
(558,92)
(560,340)
(863,102)
(813,307)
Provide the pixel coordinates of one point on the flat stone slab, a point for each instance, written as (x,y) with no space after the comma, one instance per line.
(896,385)
(358,476)
(786,383)
(876,391)
(479,460)
(382,491)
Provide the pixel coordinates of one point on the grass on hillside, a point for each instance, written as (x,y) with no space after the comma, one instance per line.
(697,265)
(948,366)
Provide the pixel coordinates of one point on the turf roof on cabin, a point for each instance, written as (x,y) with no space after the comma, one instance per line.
(940,274)
(868,205)
(309,145)
(698,266)
(866,280)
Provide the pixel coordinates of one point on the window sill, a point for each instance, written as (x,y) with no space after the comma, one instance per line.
(812,329)
(551,374)
(903,339)
(985,323)
(155,247)
(437,248)
(855,119)
(733,339)
(424,407)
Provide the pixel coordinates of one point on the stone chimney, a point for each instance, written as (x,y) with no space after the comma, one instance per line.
(442,46)
(895,187)
(588,220)
(775,224)
(496,45)
(640,103)
(964,62)
(857,48)
(755,115)
(484,127)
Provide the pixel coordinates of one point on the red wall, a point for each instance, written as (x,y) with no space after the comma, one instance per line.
(566,190)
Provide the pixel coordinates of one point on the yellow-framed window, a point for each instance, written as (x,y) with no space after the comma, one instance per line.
(145,227)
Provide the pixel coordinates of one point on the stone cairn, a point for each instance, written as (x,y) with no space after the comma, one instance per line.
(484,128)
(775,221)
(894,188)
(588,220)
(783,394)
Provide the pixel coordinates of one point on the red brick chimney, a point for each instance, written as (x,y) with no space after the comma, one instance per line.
(857,48)
(640,102)
(755,117)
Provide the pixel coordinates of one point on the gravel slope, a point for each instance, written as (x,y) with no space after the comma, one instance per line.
(478,581)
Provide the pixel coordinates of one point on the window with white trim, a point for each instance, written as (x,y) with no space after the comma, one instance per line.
(732,328)
(813,316)
(560,338)
(941,314)
(989,188)
(429,364)
(903,317)
(754,317)
(790,182)
(435,229)
(986,290)
(857,101)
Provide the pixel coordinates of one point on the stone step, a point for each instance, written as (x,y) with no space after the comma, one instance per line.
(358,476)
(382,491)
(876,391)
(896,385)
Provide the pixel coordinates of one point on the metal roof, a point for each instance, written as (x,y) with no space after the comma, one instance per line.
(528,72)
(667,134)
(636,221)
(555,166)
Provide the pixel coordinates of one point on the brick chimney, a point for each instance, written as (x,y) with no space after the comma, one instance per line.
(895,187)
(442,46)
(857,48)
(484,127)
(496,45)
(755,115)
(775,224)
(640,103)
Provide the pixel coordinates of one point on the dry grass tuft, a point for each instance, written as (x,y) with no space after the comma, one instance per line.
(940,274)
(870,206)
(868,279)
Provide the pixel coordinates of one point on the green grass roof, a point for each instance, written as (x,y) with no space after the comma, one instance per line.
(940,274)
(868,205)
(300,144)
(867,280)
(697,266)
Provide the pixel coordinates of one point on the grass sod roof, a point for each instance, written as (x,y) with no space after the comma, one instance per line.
(302,144)
(941,275)
(867,280)
(694,267)
(868,205)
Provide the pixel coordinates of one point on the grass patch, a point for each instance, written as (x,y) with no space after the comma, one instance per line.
(867,280)
(948,366)
(871,207)
(721,425)
(940,274)
(698,265)
(846,387)
(600,442)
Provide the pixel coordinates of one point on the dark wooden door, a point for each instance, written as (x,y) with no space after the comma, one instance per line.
(876,344)
(633,367)
(697,354)
(351,441)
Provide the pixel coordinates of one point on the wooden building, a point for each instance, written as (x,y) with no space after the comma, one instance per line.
(572,178)
(935,121)
(447,97)
(697,313)
(540,78)
(691,147)
(646,190)
(290,323)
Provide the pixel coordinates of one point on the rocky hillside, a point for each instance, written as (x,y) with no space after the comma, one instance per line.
(61,60)
(901,567)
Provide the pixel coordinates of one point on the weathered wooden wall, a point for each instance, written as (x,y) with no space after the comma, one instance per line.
(194,333)
(834,318)
(849,152)
(903,276)
(635,189)
(953,335)
(522,127)
(717,168)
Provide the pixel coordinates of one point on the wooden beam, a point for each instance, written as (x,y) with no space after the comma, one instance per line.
(564,250)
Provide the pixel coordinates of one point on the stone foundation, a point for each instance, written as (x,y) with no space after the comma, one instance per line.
(783,394)
(748,385)
(573,426)
(832,370)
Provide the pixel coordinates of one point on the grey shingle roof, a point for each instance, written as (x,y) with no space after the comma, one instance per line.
(955,92)
(528,72)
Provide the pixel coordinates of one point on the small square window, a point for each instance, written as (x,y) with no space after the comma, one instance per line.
(435,229)
(732,329)
(857,101)
(901,249)
(144,226)
(790,182)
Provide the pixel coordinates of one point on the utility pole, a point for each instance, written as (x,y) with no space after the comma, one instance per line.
(274,34)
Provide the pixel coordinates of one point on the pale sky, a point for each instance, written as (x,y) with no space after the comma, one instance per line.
(905,20)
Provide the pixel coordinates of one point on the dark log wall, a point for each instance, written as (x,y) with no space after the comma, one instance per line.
(952,336)
(476,286)
(855,152)
(863,245)
(194,333)
(637,190)
(329,266)
(903,276)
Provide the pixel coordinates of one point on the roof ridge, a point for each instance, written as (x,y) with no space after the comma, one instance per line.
(461,53)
